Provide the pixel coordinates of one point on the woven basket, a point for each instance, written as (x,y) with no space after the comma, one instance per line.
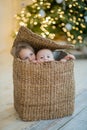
(45,90)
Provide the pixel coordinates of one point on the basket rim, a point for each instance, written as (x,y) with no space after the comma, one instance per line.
(32,63)
(37,41)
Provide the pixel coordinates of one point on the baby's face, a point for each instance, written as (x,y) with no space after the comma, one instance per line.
(45,55)
(27,54)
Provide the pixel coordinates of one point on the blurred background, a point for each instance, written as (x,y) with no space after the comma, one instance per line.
(8,9)
(64,21)
(61,20)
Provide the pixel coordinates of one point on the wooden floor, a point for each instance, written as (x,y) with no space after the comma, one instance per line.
(9,119)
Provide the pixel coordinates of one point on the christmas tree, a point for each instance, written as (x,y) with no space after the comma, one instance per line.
(51,18)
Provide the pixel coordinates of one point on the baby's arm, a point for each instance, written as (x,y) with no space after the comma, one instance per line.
(68,57)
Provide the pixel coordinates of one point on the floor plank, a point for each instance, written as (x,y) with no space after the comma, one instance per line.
(56,124)
(78,123)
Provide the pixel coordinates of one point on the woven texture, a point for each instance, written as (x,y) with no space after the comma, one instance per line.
(36,41)
(43,91)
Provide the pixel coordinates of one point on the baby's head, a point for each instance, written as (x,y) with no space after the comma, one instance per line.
(25,52)
(44,55)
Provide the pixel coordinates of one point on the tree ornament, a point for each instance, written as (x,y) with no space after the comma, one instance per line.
(59,1)
(68,26)
(85,17)
(42,13)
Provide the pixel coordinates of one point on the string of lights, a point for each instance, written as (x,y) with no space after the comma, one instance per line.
(64,17)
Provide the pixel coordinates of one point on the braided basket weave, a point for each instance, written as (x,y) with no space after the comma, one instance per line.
(45,90)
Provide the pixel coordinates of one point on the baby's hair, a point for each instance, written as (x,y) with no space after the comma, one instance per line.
(23,45)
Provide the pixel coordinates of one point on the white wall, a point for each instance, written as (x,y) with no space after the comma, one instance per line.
(8,8)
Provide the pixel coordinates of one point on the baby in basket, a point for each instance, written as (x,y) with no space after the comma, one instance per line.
(25,52)
(46,55)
